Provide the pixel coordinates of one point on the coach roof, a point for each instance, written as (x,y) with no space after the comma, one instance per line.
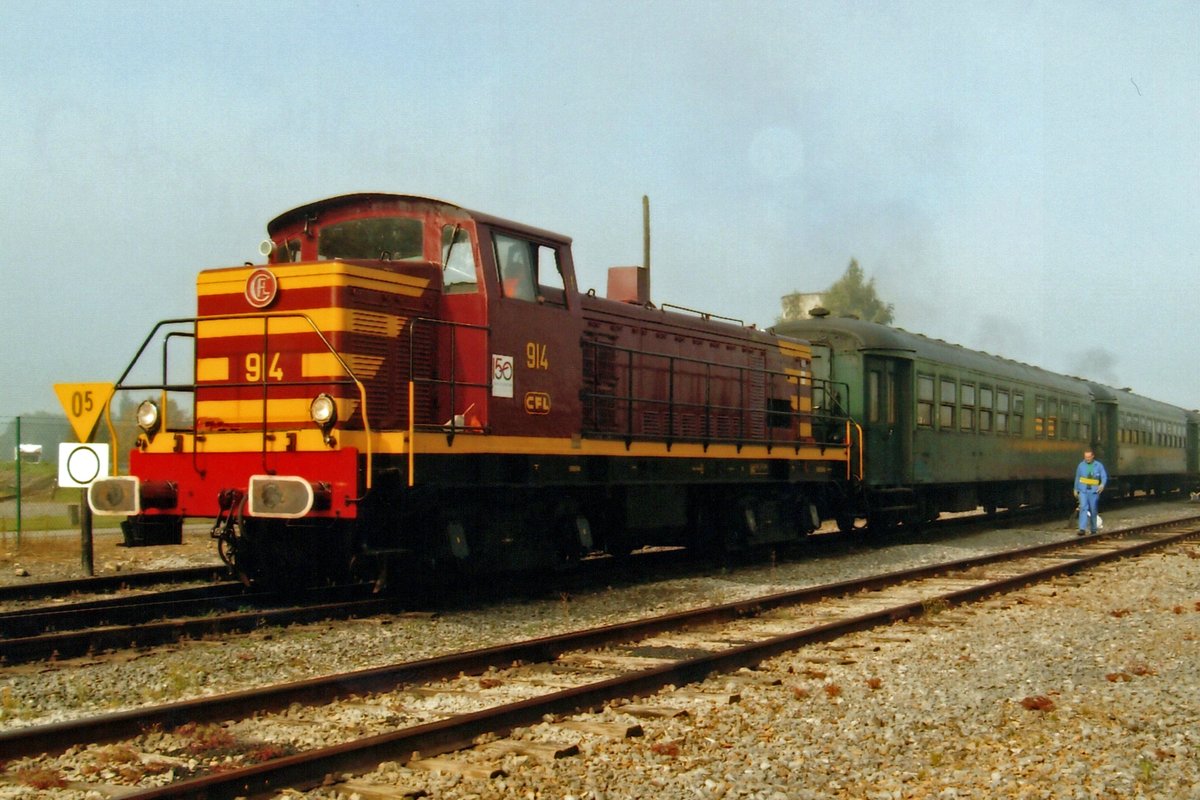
(878,339)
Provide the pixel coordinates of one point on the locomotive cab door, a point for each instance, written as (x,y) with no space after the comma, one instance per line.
(887,420)
(535,323)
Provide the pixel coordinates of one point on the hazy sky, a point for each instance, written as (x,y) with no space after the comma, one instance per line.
(1022,178)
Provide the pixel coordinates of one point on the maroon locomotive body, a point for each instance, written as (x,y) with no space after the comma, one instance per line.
(409,382)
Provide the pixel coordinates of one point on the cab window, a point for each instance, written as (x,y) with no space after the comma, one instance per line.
(515,261)
(458,261)
(549,277)
(391,238)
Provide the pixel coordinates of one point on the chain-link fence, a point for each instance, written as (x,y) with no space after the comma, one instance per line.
(32,504)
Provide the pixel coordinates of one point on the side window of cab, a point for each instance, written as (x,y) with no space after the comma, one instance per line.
(529,271)
(515,261)
(458,261)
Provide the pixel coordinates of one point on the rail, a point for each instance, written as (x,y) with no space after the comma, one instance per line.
(165,386)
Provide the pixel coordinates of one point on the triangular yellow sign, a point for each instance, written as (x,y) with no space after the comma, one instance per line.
(84,403)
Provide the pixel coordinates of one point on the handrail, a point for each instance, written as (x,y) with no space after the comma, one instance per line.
(629,400)
(412,425)
(849,444)
(705,315)
(452,381)
(266,318)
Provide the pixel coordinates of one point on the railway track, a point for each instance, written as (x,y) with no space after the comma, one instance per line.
(155,619)
(102,584)
(71,630)
(586,669)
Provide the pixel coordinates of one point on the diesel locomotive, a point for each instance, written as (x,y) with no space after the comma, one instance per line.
(407,385)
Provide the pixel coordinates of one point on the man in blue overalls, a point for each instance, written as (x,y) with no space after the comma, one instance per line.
(1090,479)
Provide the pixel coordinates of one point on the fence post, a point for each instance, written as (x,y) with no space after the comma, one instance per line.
(18,448)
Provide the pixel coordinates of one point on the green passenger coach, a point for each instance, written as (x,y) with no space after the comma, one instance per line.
(950,429)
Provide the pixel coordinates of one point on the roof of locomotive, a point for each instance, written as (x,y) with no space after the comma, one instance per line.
(875,338)
(384,200)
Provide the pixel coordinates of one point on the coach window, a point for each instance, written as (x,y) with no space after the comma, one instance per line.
(985,409)
(1039,416)
(968,407)
(1052,431)
(925,401)
(949,397)
(458,261)
(889,397)
(1018,413)
(1002,411)
(1075,431)
(873,395)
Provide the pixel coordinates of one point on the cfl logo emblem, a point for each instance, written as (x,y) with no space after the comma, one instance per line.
(261,288)
(537,403)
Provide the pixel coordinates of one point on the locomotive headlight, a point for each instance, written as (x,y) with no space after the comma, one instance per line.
(323,411)
(147,416)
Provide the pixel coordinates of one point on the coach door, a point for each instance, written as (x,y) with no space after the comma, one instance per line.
(887,420)
(1193,445)
(1104,436)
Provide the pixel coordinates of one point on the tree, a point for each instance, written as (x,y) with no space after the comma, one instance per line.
(851,296)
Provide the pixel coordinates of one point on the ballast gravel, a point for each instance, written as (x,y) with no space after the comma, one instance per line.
(1086,687)
(1082,688)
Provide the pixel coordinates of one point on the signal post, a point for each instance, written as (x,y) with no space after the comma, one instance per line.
(81,464)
